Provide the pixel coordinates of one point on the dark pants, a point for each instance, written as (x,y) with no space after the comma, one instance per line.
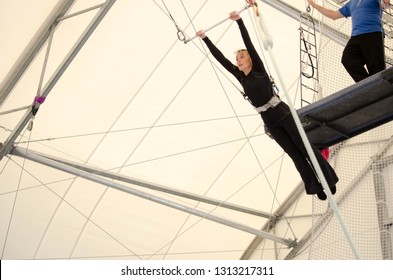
(285,133)
(364,50)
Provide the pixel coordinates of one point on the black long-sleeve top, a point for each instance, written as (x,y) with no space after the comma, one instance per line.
(257,85)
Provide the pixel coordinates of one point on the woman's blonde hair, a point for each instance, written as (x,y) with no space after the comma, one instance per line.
(243,51)
(240,51)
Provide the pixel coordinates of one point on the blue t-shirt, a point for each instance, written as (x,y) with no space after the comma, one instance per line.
(366,16)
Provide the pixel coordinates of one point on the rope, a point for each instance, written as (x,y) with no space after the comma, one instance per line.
(268,43)
(307,144)
(13,204)
(306,48)
(226,94)
(234,111)
(223,88)
(180,34)
(267,179)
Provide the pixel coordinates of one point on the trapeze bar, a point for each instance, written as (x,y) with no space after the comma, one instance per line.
(217,24)
(350,111)
(94,178)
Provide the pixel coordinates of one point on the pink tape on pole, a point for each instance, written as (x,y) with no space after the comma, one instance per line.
(325,153)
(39,99)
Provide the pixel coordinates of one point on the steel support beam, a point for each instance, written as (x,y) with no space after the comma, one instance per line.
(322,220)
(382,208)
(94,178)
(33,48)
(5,148)
(269,225)
(152,186)
(294,13)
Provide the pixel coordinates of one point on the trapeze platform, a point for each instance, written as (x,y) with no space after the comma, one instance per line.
(350,111)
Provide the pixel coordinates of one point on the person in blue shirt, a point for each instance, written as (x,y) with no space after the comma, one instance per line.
(366,45)
(275,113)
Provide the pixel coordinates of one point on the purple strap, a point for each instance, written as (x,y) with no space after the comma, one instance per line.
(39,99)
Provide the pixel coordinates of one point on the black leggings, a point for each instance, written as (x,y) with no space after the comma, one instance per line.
(285,133)
(366,49)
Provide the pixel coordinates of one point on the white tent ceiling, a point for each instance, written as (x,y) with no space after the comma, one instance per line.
(138,102)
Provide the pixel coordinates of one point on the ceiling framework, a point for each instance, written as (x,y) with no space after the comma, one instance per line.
(43,34)
(33,48)
(95,175)
(125,183)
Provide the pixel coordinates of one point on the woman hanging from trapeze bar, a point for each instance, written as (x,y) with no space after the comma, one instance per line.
(258,89)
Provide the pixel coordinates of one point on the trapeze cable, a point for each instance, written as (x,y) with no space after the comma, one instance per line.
(270,43)
(231,81)
(217,24)
(203,51)
(15,200)
(110,184)
(264,36)
(127,105)
(180,32)
(130,129)
(214,69)
(46,185)
(211,62)
(251,146)
(248,3)
(276,89)
(15,110)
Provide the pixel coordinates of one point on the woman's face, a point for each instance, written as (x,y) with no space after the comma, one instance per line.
(243,61)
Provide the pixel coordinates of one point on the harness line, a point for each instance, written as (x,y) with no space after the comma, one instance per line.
(265,37)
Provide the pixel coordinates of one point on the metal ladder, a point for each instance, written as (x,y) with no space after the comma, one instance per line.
(309,83)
